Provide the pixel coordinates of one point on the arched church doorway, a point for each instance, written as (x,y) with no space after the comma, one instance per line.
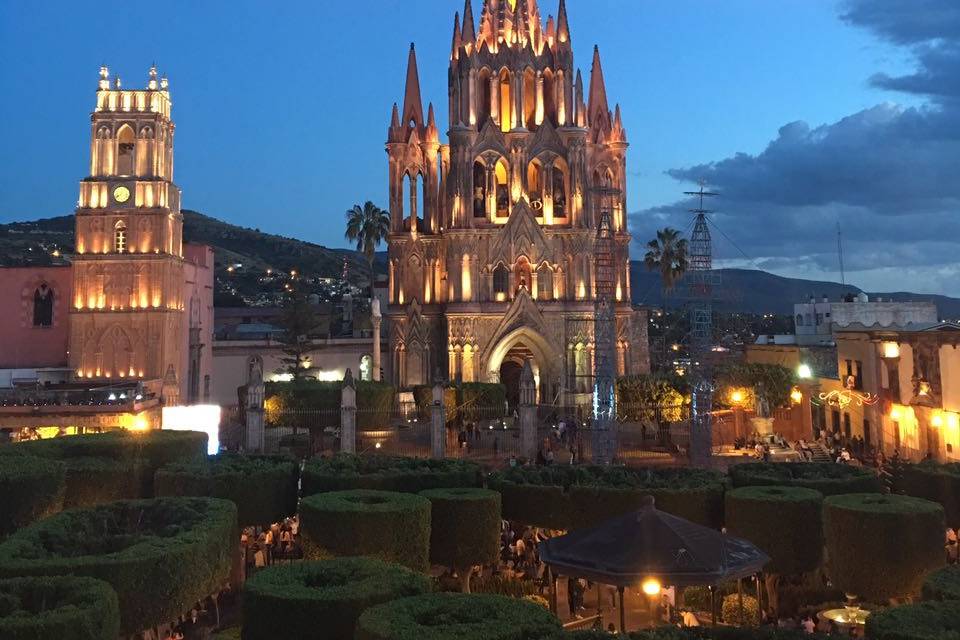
(510,370)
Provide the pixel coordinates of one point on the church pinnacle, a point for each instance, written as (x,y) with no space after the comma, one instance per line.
(412,104)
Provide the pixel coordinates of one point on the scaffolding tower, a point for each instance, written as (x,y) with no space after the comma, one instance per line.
(604,340)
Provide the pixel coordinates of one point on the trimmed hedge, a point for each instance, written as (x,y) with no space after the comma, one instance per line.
(61,607)
(943,584)
(828,478)
(697,633)
(464,527)
(31,488)
(344,472)
(374,403)
(881,547)
(160,555)
(324,598)
(263,487)
(784,522)
(442,616)
(92,481)
(571,497)
(936,482)
(923,621)
(388,525)
(143,451)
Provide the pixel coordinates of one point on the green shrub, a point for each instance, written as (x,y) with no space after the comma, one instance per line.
(344,472)
(881,547)
(31,488)
(294,404)
(923,621)
(305,597)
(784,522)
(723,633)
(142,452)
(383,524)
(731,612)
(464,528)
(160,555)
(264,488)
(943,584)
(828,478)
(61,607)
(501,586)
(463,616)
(571,497)
(93,481)
(935,482)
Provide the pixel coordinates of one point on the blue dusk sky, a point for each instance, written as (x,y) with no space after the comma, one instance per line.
(802,113)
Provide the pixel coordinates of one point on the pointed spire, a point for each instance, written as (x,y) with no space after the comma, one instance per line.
(432,134)
(412,105)
(395,117)
(580,118)
(551,32)
(455,46)
(522,28)
(563,29)
(597,109)
(468,35)
(617,132)
(152,82)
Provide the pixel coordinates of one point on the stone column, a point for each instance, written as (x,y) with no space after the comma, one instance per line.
(253,432)
(528,413)
(348,415)
(437,424)
(377,320)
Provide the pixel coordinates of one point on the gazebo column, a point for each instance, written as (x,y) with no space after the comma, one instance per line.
(553,592)
(623,615)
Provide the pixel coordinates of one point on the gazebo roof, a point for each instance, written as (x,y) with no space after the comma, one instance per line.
(649,543)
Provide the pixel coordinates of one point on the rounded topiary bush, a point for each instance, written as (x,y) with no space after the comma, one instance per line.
(464,528)
(937,482)
(740,610)
(828,478)
(463,616)
(264,488)
(322,598)
(30,488)
(160,556)
(922,621)
(784,522)
(61,607)
(571,497)
(344,472)
(384,524)
(943,584)
(881,547)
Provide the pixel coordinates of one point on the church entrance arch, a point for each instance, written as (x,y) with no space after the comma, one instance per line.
(506,361)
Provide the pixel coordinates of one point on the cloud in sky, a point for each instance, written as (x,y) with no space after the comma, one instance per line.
(887,174)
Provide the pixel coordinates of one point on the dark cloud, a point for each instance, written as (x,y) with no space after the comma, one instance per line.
(887,174)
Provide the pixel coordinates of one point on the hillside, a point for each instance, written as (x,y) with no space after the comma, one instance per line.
(742,290)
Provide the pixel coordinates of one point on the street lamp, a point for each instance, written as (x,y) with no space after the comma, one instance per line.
(804,371)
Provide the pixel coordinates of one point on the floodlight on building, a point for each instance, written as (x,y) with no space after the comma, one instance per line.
(895,413)
(736,396)
(199,417)
(937,420)
(804,371)
(651,586)
(890,349)
(796,395)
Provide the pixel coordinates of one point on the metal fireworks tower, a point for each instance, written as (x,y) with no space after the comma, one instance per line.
(604,337)
(701,282)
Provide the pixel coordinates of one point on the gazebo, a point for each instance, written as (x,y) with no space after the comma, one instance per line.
(649,545)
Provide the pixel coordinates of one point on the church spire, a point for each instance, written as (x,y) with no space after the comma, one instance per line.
(597,110)
(580,117)
(468,35)
(432,134)
(563,29)
(455,46)
(412,105)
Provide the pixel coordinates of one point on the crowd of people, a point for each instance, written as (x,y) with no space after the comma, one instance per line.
(262,546)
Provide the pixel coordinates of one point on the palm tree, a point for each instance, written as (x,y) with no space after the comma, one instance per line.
(368,226)
(668,255)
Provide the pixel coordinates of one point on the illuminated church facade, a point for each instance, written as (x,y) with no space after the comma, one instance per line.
(491,250)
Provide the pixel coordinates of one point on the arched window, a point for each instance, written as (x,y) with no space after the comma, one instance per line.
(479,190)
(501,282)
(522,274)
(43,306)
(799,320)
(126,144)
(503,190)
(535,184)
(549,97)
(529,99)
(120,237)
(559,188)
(545,283)
(483,90)
(505,120)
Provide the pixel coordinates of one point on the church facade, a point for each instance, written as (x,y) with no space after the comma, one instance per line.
(491,250)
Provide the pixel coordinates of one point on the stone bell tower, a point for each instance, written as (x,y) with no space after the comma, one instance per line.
(128,270)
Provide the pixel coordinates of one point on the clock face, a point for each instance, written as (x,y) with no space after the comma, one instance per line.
(121,194)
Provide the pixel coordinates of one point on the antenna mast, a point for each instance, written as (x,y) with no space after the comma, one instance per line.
(701,281)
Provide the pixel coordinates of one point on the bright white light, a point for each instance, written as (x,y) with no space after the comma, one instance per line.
(281,377)
(199,417)
(329,376)
(112,397)
(804,371)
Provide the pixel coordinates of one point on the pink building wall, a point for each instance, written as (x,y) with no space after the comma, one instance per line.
(23,345)
(198,314)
